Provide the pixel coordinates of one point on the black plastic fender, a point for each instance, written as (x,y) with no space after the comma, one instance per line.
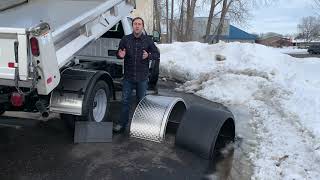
(205,131)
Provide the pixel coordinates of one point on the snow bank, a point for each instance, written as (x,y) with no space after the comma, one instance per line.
(281,93)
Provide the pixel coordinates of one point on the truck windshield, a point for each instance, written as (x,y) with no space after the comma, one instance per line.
(115,32)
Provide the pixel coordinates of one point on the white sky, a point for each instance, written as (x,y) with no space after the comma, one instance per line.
(281,16)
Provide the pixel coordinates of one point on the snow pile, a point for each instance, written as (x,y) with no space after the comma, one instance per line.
(281,94)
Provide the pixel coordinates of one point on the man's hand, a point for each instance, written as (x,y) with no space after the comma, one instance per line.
(145,55)
(122,53)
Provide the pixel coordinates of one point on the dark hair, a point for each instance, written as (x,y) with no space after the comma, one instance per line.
(136,18)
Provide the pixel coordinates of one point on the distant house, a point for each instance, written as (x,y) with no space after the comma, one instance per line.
(275,41)
(200,27)
(236,35)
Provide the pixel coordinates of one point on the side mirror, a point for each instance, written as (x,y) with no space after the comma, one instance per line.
(156,36)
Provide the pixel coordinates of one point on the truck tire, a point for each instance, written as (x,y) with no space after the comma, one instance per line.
(97,105)
(97,102)
(310,52)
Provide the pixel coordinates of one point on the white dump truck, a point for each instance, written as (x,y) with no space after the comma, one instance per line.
(60,56)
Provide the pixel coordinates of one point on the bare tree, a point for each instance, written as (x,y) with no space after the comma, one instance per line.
(187,20)
(235,10)
(172,22)
(191,5)
(157,17)
(239,11)
(309,28)
(181,21)
(212,7)
(214,4)
(225,7)
(167,20)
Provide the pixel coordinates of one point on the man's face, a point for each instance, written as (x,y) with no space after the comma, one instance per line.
(137,26)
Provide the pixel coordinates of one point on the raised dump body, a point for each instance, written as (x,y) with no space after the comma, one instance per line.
(40,44)
(42,36)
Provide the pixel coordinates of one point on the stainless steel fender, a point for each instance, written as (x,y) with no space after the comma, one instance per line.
(152,115)
(71,93)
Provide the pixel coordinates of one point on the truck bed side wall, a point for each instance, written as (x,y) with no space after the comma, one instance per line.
(9,38)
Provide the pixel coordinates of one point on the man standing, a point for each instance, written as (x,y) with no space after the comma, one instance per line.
(136,49)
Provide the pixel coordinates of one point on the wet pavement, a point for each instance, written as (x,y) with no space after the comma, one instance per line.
(33,149)
(305,55)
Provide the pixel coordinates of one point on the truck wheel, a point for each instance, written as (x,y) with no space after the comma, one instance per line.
(310,52)
(97,103)
(97,106)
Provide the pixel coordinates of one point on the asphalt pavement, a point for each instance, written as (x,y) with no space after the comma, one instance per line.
(35,149)
(305,55)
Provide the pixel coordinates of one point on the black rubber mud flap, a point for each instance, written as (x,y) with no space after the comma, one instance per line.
(153,74)
(2,110)
(201,127)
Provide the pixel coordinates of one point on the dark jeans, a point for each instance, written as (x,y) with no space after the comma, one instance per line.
(127,87)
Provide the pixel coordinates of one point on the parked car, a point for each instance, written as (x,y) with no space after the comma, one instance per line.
(314,49)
